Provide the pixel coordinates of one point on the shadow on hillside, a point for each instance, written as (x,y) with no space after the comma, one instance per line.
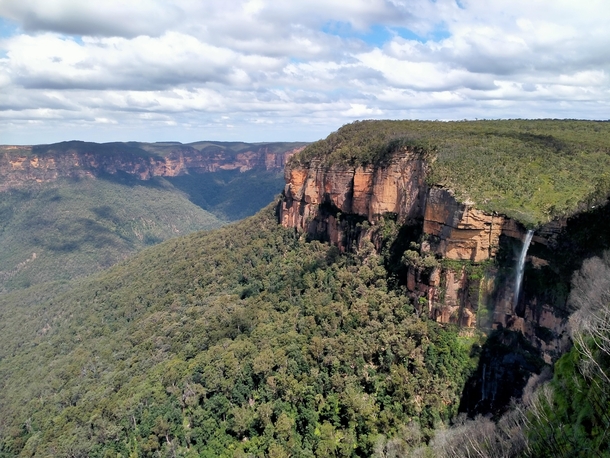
(230,195)
(584,236)
(542,141)
(73,235)
(506,362)
(127,179)
(507,359)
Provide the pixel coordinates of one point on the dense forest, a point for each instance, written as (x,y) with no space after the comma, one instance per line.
(245,340)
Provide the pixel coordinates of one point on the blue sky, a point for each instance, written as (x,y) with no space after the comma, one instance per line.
(7,28)
(261,70)
(377,35)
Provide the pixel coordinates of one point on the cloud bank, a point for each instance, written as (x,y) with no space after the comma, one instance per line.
(291,70)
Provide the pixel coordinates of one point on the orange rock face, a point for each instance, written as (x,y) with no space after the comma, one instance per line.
(463,232)
(368,192)
(20,165)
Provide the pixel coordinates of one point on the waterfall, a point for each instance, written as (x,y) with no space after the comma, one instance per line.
(521,265)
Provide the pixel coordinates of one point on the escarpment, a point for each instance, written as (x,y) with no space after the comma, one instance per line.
(314,193)
(454,259)
(21,165)
(458,260)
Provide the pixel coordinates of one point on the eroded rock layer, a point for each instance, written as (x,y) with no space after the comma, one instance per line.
(20,165)
(316,195)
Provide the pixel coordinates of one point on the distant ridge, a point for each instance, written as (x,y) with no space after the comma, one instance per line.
(20,165)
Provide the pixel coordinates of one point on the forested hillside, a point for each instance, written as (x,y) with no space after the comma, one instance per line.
(245,340)
(74,227)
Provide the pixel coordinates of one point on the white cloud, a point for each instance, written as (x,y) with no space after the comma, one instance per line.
(426,76)
(174,59)
(361,110)
(159,69)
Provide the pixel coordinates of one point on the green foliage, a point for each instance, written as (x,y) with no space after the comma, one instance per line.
(571,415)
(230,194)
(70,228)
(414,259)
(530,170)
(242,341)
(474,270)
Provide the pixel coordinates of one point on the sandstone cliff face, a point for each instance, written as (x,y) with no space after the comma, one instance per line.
(315,195)
(20,165)
(457,231)
(326,202)
(462,232)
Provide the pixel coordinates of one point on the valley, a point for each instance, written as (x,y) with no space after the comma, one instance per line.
(74,208)
(415,284)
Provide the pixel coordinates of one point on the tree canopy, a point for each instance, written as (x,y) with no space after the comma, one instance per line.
(244,340)
(530,170)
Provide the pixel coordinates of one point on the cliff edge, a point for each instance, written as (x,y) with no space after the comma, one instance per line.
(453,252)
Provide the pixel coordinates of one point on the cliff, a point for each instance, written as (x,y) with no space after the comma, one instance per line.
(458,231)
(454,272)
(366,191)
(20,165)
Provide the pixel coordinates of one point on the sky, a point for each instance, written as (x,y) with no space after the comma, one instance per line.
(291,70)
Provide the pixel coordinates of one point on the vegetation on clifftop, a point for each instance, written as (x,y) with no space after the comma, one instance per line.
(530,170)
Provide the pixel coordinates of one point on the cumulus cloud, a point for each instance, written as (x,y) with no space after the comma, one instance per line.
(263,70)
(101,18)
(174,59)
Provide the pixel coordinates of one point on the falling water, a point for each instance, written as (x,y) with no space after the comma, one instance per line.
(521,265)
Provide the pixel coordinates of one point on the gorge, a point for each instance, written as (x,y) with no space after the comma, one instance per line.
(373,310)
(72,208)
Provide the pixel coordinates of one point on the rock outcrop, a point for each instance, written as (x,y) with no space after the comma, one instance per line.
(20,165)
(461,231)
(315,195)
